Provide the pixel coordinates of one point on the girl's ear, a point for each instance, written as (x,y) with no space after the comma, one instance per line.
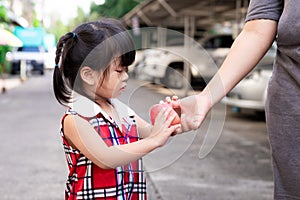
(88,75)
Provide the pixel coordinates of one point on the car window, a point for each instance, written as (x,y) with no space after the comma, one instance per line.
(219,42)
(29,49)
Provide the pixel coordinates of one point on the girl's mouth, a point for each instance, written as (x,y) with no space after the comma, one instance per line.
(123,88)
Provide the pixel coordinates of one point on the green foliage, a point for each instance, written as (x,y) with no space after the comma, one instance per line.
(36,23)
(80,18)
(59,28)
(113,8)
(3,62)
(3,15)
(4,20)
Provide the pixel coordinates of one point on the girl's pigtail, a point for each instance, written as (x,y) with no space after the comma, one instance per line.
(60,86)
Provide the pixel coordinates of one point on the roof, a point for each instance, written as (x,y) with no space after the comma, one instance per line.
(172,13)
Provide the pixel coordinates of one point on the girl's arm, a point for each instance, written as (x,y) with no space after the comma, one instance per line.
(144,128)
(82,136)
(247,50)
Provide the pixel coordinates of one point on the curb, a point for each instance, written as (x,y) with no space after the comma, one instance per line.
(152,190)
(9,83)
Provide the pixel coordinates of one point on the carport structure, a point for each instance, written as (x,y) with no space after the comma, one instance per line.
(189,15)
(193,18)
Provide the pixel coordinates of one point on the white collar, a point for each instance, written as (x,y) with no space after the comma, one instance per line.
(87,108)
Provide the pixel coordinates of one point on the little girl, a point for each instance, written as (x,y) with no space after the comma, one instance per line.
(103,139)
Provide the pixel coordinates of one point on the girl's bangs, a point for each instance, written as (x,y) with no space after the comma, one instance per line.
(127,58)
(125,46)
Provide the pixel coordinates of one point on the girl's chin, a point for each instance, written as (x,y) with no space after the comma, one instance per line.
(117,95)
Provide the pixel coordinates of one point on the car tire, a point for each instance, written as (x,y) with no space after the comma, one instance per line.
(15,68)
(173,78)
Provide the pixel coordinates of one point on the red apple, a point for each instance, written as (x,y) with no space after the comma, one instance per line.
(155,109)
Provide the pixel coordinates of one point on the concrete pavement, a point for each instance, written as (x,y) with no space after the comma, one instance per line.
(8,82)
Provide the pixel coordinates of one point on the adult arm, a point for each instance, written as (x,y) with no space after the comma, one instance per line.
(247,50)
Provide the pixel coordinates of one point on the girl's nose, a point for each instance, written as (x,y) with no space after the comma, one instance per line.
(125,77)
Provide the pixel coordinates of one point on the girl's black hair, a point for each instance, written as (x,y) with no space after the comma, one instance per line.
(94,44)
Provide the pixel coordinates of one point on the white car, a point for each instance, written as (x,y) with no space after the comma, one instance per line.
(34,56)
(166,64)
(251,92)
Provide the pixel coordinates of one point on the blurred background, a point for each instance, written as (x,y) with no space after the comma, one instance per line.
(180,45)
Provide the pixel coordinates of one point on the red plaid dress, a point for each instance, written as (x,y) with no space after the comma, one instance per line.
(88,181)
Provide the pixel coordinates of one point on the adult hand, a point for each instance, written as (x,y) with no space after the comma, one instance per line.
(194,109)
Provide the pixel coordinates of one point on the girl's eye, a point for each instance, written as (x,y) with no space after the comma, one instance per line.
(125,69)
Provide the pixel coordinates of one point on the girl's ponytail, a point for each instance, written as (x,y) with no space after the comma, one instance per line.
(61,88)
(61,91)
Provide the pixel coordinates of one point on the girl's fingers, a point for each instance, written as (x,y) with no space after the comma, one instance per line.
(164,120)
(168,99)
(175,129)
(174,98)
(171,117)
(173,101)
(178,130)
(163,114)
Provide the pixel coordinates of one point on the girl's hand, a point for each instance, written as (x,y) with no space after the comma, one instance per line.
(162,129)
(173,101)
(175,104)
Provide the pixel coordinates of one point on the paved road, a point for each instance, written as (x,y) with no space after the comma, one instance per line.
(33,164)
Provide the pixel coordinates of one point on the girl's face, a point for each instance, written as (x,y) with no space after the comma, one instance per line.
(114,83)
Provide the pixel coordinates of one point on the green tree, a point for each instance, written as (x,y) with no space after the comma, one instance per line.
(4,20)
(3,62)
(80,18)
(59,28)
(3,15)
(113,8)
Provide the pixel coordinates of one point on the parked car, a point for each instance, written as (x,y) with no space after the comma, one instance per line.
(33,56)
(251,92)
(166,64)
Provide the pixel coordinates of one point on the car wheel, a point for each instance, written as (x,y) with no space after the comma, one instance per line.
(15,67)
(174,78)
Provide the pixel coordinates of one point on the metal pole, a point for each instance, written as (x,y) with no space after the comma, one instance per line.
(145,38)
(161,37)
(3,78)
(186,67)
(23,70)
(236,25)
